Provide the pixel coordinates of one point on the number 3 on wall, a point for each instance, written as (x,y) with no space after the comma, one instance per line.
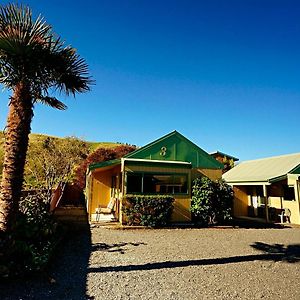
(163,151)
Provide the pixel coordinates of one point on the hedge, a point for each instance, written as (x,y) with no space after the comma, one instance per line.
(148,210)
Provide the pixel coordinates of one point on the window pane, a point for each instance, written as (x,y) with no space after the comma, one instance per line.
(134,183)
(165,184)
(289,192)
(149,184)
(180,184)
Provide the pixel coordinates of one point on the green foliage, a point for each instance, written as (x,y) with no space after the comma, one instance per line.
(146,210)
(52,161)
(31,244)
(211,201)
(30,52)
(40,157)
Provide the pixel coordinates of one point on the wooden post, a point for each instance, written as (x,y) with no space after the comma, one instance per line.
(266,202)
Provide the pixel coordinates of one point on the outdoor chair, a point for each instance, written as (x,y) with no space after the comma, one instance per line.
(285,213)
(106,210)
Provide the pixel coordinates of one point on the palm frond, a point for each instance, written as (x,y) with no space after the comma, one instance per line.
(52,101)
(31,52)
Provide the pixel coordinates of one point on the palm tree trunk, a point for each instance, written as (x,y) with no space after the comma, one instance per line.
(16,144)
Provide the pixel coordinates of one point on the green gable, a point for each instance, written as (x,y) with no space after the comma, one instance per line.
(296,170)
(175,147)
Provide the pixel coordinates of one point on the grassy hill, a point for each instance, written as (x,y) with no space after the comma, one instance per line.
(36,142)
(36,138)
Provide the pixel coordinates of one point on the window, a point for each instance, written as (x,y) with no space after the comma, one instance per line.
(134,183)
(288,192)
(157,183)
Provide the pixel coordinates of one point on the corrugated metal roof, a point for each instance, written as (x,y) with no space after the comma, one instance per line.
(265,169)
(104,164)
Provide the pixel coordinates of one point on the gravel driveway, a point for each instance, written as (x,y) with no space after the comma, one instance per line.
(170,264)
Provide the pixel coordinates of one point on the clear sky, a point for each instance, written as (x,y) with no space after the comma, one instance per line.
(226,74)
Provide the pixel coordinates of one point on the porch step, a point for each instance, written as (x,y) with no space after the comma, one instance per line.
(73,216)
(103,218)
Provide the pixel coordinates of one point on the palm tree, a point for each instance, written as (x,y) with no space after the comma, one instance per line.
(33,62)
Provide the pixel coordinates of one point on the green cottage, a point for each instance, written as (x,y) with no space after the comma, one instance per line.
(166,166)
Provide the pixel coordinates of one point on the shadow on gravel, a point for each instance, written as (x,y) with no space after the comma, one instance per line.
(119,247)
(290,254)
(277,252)
(66,277)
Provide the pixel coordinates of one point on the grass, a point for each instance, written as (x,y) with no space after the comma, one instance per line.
(38,138)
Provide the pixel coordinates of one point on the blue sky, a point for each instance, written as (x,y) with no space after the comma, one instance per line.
(225,73)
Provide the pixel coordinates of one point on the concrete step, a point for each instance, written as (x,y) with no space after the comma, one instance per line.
(103,218)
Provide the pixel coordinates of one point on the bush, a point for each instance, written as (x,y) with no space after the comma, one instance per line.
(146,210)
(211,201)
(33,239)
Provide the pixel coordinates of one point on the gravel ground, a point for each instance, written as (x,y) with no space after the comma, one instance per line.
(170,264)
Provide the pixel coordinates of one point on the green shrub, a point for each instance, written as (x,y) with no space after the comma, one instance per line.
(30,245)
(148,210)
(211,201)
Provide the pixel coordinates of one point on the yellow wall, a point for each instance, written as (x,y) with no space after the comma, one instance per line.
(182,210)
(212,174)
(240,202)
(293,206)
(101,188)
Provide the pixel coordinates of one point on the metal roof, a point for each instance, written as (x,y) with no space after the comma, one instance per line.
(103,164)
(264,170)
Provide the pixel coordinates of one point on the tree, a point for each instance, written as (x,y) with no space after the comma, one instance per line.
(99,155)
(52,161)
(33,61)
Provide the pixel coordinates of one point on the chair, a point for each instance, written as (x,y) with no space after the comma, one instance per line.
(106,210)
(285,213)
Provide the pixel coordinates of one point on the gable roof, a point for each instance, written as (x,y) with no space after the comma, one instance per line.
(264,170)
(175,147)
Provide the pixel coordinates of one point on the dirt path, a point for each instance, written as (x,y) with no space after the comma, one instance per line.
(170,264)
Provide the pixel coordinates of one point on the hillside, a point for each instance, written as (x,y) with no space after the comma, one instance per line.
(71,151)
(36,138)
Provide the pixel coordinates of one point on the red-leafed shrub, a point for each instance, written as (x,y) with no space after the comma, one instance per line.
(99,155)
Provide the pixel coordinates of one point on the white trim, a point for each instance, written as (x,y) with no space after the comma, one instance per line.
(248,183)
(156,161)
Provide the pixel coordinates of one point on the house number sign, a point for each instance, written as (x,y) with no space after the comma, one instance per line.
(163,151)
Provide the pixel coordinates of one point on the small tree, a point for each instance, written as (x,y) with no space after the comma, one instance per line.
(99,155)
(51,162)
(211,201)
